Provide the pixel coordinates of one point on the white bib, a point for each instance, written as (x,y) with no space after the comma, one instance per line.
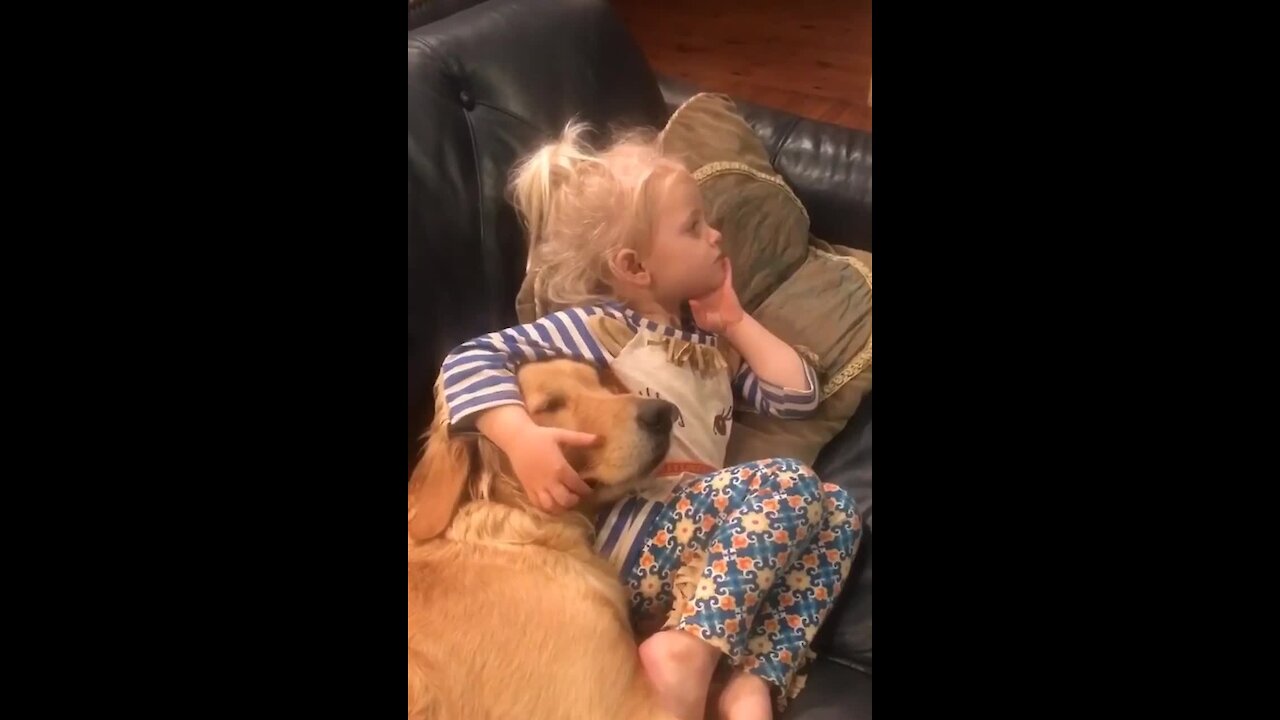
(656,365)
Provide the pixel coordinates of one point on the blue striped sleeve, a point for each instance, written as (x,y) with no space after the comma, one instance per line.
(479,374)
(780,402)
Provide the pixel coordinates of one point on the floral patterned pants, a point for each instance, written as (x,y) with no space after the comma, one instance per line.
(773,545)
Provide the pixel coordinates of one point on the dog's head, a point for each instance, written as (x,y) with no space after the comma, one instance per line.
(633,437)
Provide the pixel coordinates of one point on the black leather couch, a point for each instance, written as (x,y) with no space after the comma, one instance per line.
(488,82)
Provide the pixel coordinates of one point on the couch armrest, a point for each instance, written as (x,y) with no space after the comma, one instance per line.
(828,166)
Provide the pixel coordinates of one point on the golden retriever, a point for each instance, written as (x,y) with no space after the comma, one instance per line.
(512,615)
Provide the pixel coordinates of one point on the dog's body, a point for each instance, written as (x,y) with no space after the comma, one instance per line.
(511,613)
(511,617)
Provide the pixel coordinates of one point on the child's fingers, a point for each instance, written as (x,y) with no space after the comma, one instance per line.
(574,484)
(575,438)
(541,500)
(564,499)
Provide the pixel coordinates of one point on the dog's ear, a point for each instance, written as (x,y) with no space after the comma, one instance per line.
(438,482)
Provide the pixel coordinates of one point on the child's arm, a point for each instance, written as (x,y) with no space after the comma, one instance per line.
(774,379)
(773,361)
(480,390)
(479,375)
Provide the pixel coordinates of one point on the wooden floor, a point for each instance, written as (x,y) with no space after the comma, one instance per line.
(810,57)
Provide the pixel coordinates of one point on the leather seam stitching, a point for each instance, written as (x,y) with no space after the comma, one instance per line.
(782,143)
(509,114)
(475,160)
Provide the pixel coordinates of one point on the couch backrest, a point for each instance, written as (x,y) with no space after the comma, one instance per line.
(422,12)
(487,85)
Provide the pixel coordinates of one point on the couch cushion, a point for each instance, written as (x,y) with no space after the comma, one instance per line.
(832,692)
(825,308)
(846,461)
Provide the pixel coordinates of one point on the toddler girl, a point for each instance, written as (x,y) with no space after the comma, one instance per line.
(622,239)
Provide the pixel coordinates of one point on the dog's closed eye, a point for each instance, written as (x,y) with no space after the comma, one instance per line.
(550,404)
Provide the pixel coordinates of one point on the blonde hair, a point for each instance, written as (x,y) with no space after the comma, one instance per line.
(581,207)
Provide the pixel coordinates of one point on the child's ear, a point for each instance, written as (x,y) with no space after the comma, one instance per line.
(626,267)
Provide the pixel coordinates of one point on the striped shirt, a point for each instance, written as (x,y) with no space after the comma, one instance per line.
(480,374)
(622,530)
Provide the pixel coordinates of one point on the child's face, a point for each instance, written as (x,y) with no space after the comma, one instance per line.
(684,258)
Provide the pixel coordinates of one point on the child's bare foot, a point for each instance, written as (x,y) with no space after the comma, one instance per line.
(679,665)
(745,697)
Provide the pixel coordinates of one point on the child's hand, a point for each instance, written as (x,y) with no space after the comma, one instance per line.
(719,310)
(540,466)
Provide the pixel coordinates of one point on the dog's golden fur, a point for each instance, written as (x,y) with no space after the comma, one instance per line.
(511,613)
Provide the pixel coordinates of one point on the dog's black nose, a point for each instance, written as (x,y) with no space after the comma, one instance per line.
(656,415)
